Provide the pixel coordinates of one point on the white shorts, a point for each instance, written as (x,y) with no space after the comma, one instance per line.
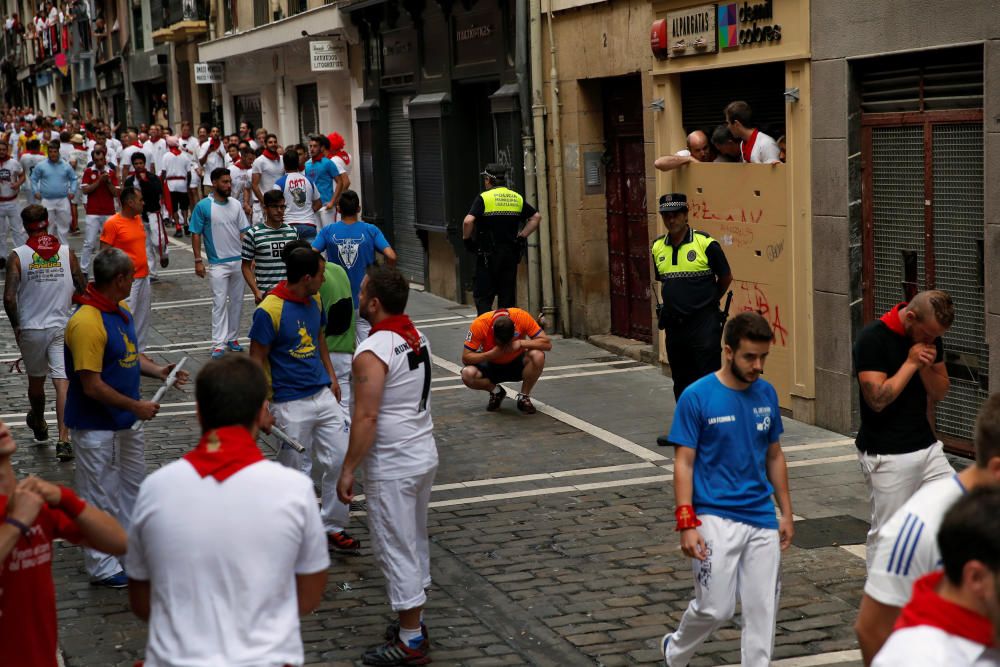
(43,352)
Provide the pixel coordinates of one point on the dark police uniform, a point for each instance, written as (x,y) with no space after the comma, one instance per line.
(690,315)
(500,214)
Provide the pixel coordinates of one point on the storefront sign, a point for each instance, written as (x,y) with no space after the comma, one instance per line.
(691,31)
(747,24)
(477,38)
(327,56)
(209,72)
(399,52)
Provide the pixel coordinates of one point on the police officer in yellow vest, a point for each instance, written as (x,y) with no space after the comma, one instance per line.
(496,229)
(694,274)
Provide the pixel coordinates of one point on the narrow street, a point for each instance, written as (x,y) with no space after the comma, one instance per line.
(552,535)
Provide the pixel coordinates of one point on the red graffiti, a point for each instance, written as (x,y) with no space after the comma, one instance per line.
(700,210)
(753,299)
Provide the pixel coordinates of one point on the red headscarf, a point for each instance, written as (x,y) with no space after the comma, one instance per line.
(337,147)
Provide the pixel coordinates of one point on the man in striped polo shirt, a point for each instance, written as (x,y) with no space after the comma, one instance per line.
(262,244)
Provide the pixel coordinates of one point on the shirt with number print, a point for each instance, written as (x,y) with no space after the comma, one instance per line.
(404,436)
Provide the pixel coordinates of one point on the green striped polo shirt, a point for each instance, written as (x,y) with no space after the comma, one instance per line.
(262,245)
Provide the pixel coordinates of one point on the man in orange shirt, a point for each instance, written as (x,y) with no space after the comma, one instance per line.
(125,231)
(505,345)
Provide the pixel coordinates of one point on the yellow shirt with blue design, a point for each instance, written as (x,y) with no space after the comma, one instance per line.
(292,330)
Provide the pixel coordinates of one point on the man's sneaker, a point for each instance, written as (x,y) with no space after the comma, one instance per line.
(164,262)
(217,353)
(663,647)
(178,233)
(395,652)
(3,263)
(119,580)
(343,543)
(496,398)
(392,631)
(234,346)
(38,426)
(64,451)
(524,404)
(187,232)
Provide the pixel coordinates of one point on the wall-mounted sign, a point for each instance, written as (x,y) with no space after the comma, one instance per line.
(208,73)
(399,52)
(327,56)
(477,38)
(747,24)
(691,31)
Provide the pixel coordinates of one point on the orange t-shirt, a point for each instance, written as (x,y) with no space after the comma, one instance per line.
(128,234)
(480,336)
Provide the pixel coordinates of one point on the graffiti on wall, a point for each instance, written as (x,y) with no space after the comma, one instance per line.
(752,297)
(700,210)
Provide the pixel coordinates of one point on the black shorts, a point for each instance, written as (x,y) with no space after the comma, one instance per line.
(512,371)
(180,200)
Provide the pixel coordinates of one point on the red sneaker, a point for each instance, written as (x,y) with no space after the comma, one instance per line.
(342,542)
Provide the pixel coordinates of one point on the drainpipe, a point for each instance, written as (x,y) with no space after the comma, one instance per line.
(528,142)
(564,314)
(541,172)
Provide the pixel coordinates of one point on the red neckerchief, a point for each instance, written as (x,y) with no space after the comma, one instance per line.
(928,608)
(747,146)
(238,163)
(175,151)
(402,325)
(137,144)
(213,144)
(44,245)
(892,321)
(102,303)
(282,291)
(223,452)
(142,174)
(269,155)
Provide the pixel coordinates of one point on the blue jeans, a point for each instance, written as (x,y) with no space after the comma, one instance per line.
(306,232)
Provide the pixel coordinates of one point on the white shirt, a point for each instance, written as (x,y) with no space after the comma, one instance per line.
(217,158)
(113,145)
(765,149)
(300,194)
(154,154)
(113,155)
(176,168)
(241,182)
(190,145)
(342,166)
(9,172)
(907,547)
(222,560)
(28,163)
(926,646)
(404,435)
(126,160)
(269,170)
(45,293)
(226,223)
(65,149)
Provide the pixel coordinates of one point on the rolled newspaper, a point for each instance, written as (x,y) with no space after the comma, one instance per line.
(167,384)
(287,439)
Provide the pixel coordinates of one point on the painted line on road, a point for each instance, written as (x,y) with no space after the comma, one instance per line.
(457,322)
(826,444)
(826,459)
(166,305)
(178,244)
(559,377)
(441,319)
(859,550)
(818,660)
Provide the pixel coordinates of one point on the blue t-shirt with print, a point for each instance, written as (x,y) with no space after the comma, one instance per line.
(293,331)
(353,246)
(730,431)
(322,172)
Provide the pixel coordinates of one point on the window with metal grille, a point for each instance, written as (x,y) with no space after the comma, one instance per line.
(247,108)
(261,12)
(297,6)
(922,81)
(308,101)
(137,31)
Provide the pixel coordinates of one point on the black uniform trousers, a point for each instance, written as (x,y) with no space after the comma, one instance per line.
(694,346)
(496,278)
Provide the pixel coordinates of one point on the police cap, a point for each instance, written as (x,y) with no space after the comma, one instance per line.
(673,201)
(495,171)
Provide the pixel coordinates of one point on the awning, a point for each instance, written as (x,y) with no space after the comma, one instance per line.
(311,24)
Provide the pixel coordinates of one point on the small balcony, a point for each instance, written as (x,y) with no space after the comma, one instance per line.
(176,21)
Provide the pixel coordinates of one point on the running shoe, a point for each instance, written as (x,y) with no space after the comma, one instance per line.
(64,450)
(178,233)
(496,398)
(38,426)
(164,262)
(395,652)
(524,404)
(119,580)
(234,346)
(217,353)
(664,643)
(187,232)
(343,543)
(392,631)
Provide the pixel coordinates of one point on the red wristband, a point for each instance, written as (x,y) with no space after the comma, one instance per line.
(686,518)
(70,503)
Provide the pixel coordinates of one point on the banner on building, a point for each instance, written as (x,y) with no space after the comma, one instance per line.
(208,72)
(327,56)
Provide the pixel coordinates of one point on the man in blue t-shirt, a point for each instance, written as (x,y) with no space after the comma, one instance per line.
(353,244)
(727,463)
(323,173)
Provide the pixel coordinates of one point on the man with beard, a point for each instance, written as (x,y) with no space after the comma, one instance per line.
(264,173)
(157,245)
(727,464)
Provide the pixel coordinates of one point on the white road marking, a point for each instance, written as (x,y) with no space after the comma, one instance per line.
(177,244)
(826,444)
(441,319)
(859,550)
(166,305)
(818,660)
(447,324)
(560,377)
(826,459)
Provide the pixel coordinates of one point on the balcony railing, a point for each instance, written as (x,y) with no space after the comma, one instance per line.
(165,13)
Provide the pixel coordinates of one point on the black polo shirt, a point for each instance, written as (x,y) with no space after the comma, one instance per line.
(902,426)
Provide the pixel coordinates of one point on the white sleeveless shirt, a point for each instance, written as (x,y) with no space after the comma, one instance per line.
(45,294)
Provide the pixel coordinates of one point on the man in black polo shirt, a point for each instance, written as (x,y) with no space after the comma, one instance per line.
(694,274)
(899,362)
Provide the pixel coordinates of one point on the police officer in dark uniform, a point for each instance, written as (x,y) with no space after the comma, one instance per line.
(496,229)
(694,274)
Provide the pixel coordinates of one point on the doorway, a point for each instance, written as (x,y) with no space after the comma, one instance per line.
(628,225)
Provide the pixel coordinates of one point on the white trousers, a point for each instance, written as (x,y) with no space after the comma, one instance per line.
(110,466)
(59,217)
(226,281)
(322,426)
(10,219)
(95,224)
(326,217)
(892,478)
(157,245)
(342,363)
(743,561)
(140,303)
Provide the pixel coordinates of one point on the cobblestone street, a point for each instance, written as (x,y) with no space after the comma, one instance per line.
(552,535)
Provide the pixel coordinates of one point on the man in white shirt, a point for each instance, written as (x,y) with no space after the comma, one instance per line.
(907,548)
(188,142)
(132,145)
(755,146)
(302,200)
(240,171)
(154,149)
(953,614)
(176,166)
(214,592)
(11,180)
(393,435)
(212,154)
(266,170)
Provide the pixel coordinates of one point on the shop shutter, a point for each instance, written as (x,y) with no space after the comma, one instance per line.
(308,102)
(429,178)
(405,241)
(366,161)
(924,81)
(705,95)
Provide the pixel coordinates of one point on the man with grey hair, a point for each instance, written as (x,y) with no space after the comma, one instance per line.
(104,366)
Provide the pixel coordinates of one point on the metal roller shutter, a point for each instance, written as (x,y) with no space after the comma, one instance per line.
(430,177)
(705,96)
(308,102)
(405,241)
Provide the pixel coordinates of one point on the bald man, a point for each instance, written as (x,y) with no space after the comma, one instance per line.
(699,149)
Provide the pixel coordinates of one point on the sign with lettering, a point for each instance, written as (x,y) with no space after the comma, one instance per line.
(209,72)
(399,52)
(327,56)
(747,24)
(692,31)
(477,38)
